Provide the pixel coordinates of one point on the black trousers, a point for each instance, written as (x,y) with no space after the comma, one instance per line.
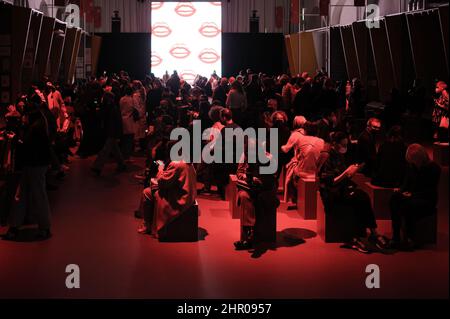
(407,211)
(222,172)
(357,203)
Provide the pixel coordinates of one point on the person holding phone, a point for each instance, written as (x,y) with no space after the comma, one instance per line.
(416,199)
(337,189)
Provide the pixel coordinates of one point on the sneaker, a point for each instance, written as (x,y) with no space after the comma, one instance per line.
(358,245)
(144,230)
(379,241)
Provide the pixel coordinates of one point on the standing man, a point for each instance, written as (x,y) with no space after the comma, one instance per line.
(31,193)
(112,125)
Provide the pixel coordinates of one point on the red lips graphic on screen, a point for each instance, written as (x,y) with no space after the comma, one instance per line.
(188,75)
(209,56)
(209,30)
(157,5)
(185,9)
(180,51)
(155,59)
(216,3)
(161,30)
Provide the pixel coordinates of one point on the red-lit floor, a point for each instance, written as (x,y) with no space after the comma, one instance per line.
(94,227)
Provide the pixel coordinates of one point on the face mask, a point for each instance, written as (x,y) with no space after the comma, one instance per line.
(278,123)
(342,150)
(375,132)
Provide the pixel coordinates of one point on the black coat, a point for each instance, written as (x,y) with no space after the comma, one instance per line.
(367,152)
(390,165)
(36,144)
(153,99)
(220,94)
(111,117)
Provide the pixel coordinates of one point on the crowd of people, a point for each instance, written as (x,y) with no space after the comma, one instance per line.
(317,137)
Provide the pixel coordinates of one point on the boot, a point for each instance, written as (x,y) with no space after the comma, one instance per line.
(247,242)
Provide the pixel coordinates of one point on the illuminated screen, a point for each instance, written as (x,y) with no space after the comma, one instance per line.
(186,37)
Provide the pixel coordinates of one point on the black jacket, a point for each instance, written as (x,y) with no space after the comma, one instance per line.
(36,144)
(390,165)
(112,119)
(220,94)
(367,152)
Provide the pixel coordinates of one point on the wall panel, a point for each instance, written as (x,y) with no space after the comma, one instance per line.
(382,58)
(348,45)
(44,48)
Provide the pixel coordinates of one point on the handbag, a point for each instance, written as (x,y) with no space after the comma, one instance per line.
(444,122)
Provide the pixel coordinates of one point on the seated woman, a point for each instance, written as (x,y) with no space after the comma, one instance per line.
(337,189)
(307,150)
(417,198)
(176,184)
(390,165)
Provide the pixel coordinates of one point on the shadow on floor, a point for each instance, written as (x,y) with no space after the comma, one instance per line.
(210,196)
(28,235)
(202,234)
(290,237)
